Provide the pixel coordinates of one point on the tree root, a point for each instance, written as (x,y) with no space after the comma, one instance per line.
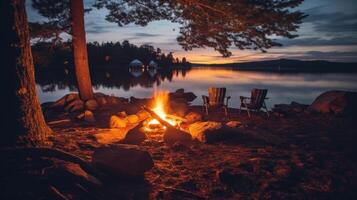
(51,153)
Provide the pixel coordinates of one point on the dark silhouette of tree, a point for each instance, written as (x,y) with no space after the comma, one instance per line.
(113,55)
(22,121)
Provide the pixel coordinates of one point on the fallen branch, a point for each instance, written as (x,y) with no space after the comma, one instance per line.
(51,153)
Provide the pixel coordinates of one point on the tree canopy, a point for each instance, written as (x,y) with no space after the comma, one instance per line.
(221,25)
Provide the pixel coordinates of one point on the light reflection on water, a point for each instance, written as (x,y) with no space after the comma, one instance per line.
(283,87)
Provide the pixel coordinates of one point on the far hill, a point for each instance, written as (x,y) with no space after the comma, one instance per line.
(286,65)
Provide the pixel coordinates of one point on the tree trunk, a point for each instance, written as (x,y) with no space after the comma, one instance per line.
(22,121)
(80,50)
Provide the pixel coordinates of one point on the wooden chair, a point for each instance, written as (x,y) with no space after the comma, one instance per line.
(255,102)
(216,99)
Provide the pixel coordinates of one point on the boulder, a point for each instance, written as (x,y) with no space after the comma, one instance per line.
(74,105)
(173,135)
(110,136)
(199,130)
(132,119)
(180,95)
(91,104)
(233,124)
(123,160)
(101,100)
(180,91)
(122,114)
(135,135)
(89,116)
(335,102)
(193,117)
(117,122)
(178,109)
(291,108)
(71,97)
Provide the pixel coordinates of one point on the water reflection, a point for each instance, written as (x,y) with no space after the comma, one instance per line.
(283,87)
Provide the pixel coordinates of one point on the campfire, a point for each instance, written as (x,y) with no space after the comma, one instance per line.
(160,108)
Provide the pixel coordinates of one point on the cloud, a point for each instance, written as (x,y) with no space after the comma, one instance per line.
(318,41)
(336,22)
(146,35)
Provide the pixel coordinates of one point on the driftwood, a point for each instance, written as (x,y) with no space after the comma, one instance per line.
(51,153)
(172,134)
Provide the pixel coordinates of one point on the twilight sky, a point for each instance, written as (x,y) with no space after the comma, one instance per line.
(328,33)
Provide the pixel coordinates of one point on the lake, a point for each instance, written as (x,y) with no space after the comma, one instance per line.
(283,87)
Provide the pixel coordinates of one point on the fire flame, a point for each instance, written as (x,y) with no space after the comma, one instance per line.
(161,100)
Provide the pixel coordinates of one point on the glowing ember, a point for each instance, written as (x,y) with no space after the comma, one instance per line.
(161,100)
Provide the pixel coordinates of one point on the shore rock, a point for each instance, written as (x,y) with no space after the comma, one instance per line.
(335,102)
(193,117)
(91,105)
(123,160)
(89,116)
(173,136)
(198,130)
(110,136)
(117,122)
(75,105)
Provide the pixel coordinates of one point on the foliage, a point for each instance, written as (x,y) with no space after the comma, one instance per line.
(221,25)
(114,54)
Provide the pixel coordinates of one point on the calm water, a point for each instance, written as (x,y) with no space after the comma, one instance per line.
(283,87)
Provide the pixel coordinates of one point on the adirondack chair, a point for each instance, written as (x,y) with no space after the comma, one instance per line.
(216,99)
(255,102)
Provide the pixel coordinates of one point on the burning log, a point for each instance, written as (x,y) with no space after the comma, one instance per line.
(172,134)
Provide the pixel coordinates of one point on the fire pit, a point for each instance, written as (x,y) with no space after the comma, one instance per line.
(160,108)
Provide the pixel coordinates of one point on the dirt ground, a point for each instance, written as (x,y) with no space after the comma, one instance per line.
(301,156)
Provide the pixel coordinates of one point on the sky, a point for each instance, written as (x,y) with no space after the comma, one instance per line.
(328,33)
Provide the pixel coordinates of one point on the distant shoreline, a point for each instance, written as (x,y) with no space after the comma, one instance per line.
(287,65)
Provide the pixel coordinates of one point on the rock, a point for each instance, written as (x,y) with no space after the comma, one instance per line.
(91,105)
(71,97)
(142,114)
(116,122)
(75,105)
(286,109)
(180,91)
(60,102)
(78,107)
(123,160)
(233,124)
(101,100)
(193,117)
(335,102)
(122,114)
(133,119)
(113,100)
(172,136)
(99,94)
(198,130)
(180,94)
(178,109)
(110,136)
(135,135)
(89,116)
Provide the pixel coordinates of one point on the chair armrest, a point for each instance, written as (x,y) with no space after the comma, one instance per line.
(205,99)
(242,98)
(227,99)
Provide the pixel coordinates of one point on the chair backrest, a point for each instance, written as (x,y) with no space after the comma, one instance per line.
(257,97)
(216,96)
